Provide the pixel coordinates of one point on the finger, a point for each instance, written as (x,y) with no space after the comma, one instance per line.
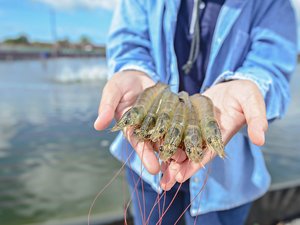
(179,156)
(164,167)
(254,110)
(168,180)
(156,145)
(170,170)
(110,99)
(145,152)
(256,131)
(189,168)
(122,108)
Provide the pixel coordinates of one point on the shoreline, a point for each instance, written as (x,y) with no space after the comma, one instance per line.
(8,53)
(11,56)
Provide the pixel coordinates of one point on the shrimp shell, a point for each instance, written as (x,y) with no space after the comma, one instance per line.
(192,135)
(211,132)
(149,121)
(174,134)
(165,113)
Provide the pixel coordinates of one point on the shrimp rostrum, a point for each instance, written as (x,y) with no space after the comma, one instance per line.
(136,114)
(159,115)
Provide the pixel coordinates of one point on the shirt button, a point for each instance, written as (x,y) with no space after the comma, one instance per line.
(202,5)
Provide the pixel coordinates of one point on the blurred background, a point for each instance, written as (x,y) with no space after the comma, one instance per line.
(52,162)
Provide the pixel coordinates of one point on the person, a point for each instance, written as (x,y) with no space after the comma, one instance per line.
(240,54)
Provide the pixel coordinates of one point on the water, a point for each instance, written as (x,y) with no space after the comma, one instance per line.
(52,162)
(282,142)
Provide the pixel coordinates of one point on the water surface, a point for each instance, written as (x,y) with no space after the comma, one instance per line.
(52,161)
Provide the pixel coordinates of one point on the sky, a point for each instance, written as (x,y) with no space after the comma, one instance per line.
(74,18)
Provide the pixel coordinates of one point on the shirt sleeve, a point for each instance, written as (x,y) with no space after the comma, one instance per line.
(272,57)
(129,46)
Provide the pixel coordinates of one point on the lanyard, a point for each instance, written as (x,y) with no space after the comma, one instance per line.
(195,31)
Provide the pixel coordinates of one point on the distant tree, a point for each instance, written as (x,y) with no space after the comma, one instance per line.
(41,44)
(64,42)
(85,40)
(22,39)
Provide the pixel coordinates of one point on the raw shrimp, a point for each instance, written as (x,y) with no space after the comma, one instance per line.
(209,126)
(165,113)
(192,135)
(149,121)
(174,135)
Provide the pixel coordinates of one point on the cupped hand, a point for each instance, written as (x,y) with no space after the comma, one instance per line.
(118,95)
(237,102)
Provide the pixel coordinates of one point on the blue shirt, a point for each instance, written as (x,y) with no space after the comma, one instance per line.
(210,9)
(253,40)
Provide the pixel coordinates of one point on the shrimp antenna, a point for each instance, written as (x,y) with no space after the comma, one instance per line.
(106,186)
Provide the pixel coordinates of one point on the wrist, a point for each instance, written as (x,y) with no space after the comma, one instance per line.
(134,77)
(144,78)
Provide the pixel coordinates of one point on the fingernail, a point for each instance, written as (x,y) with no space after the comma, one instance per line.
(165,179)
(174,166)
(263,137)
(97,120)
(164,187)
(179,178)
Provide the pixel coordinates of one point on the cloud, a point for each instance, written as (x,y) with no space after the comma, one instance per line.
(71,4)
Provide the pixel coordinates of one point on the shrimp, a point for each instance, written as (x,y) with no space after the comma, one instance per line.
(175,132)
(177,120)
(135,115)
(211,132)
(192,135)
(149,122)
(165,113)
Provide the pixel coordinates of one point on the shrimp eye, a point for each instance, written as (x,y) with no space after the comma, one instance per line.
(161,130)
(209,140)
(126,122)
(188,150)
(161,148)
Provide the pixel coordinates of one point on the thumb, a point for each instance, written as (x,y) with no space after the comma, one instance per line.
(254,110)
(110,99)
(256,130)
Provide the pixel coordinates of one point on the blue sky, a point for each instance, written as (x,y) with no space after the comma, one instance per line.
(73,18)
(32,17)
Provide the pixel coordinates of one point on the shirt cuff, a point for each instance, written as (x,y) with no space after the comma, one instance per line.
(137,67)
(263,83)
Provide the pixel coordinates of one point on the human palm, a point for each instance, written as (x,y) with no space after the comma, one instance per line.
(118,95)
(236,103)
